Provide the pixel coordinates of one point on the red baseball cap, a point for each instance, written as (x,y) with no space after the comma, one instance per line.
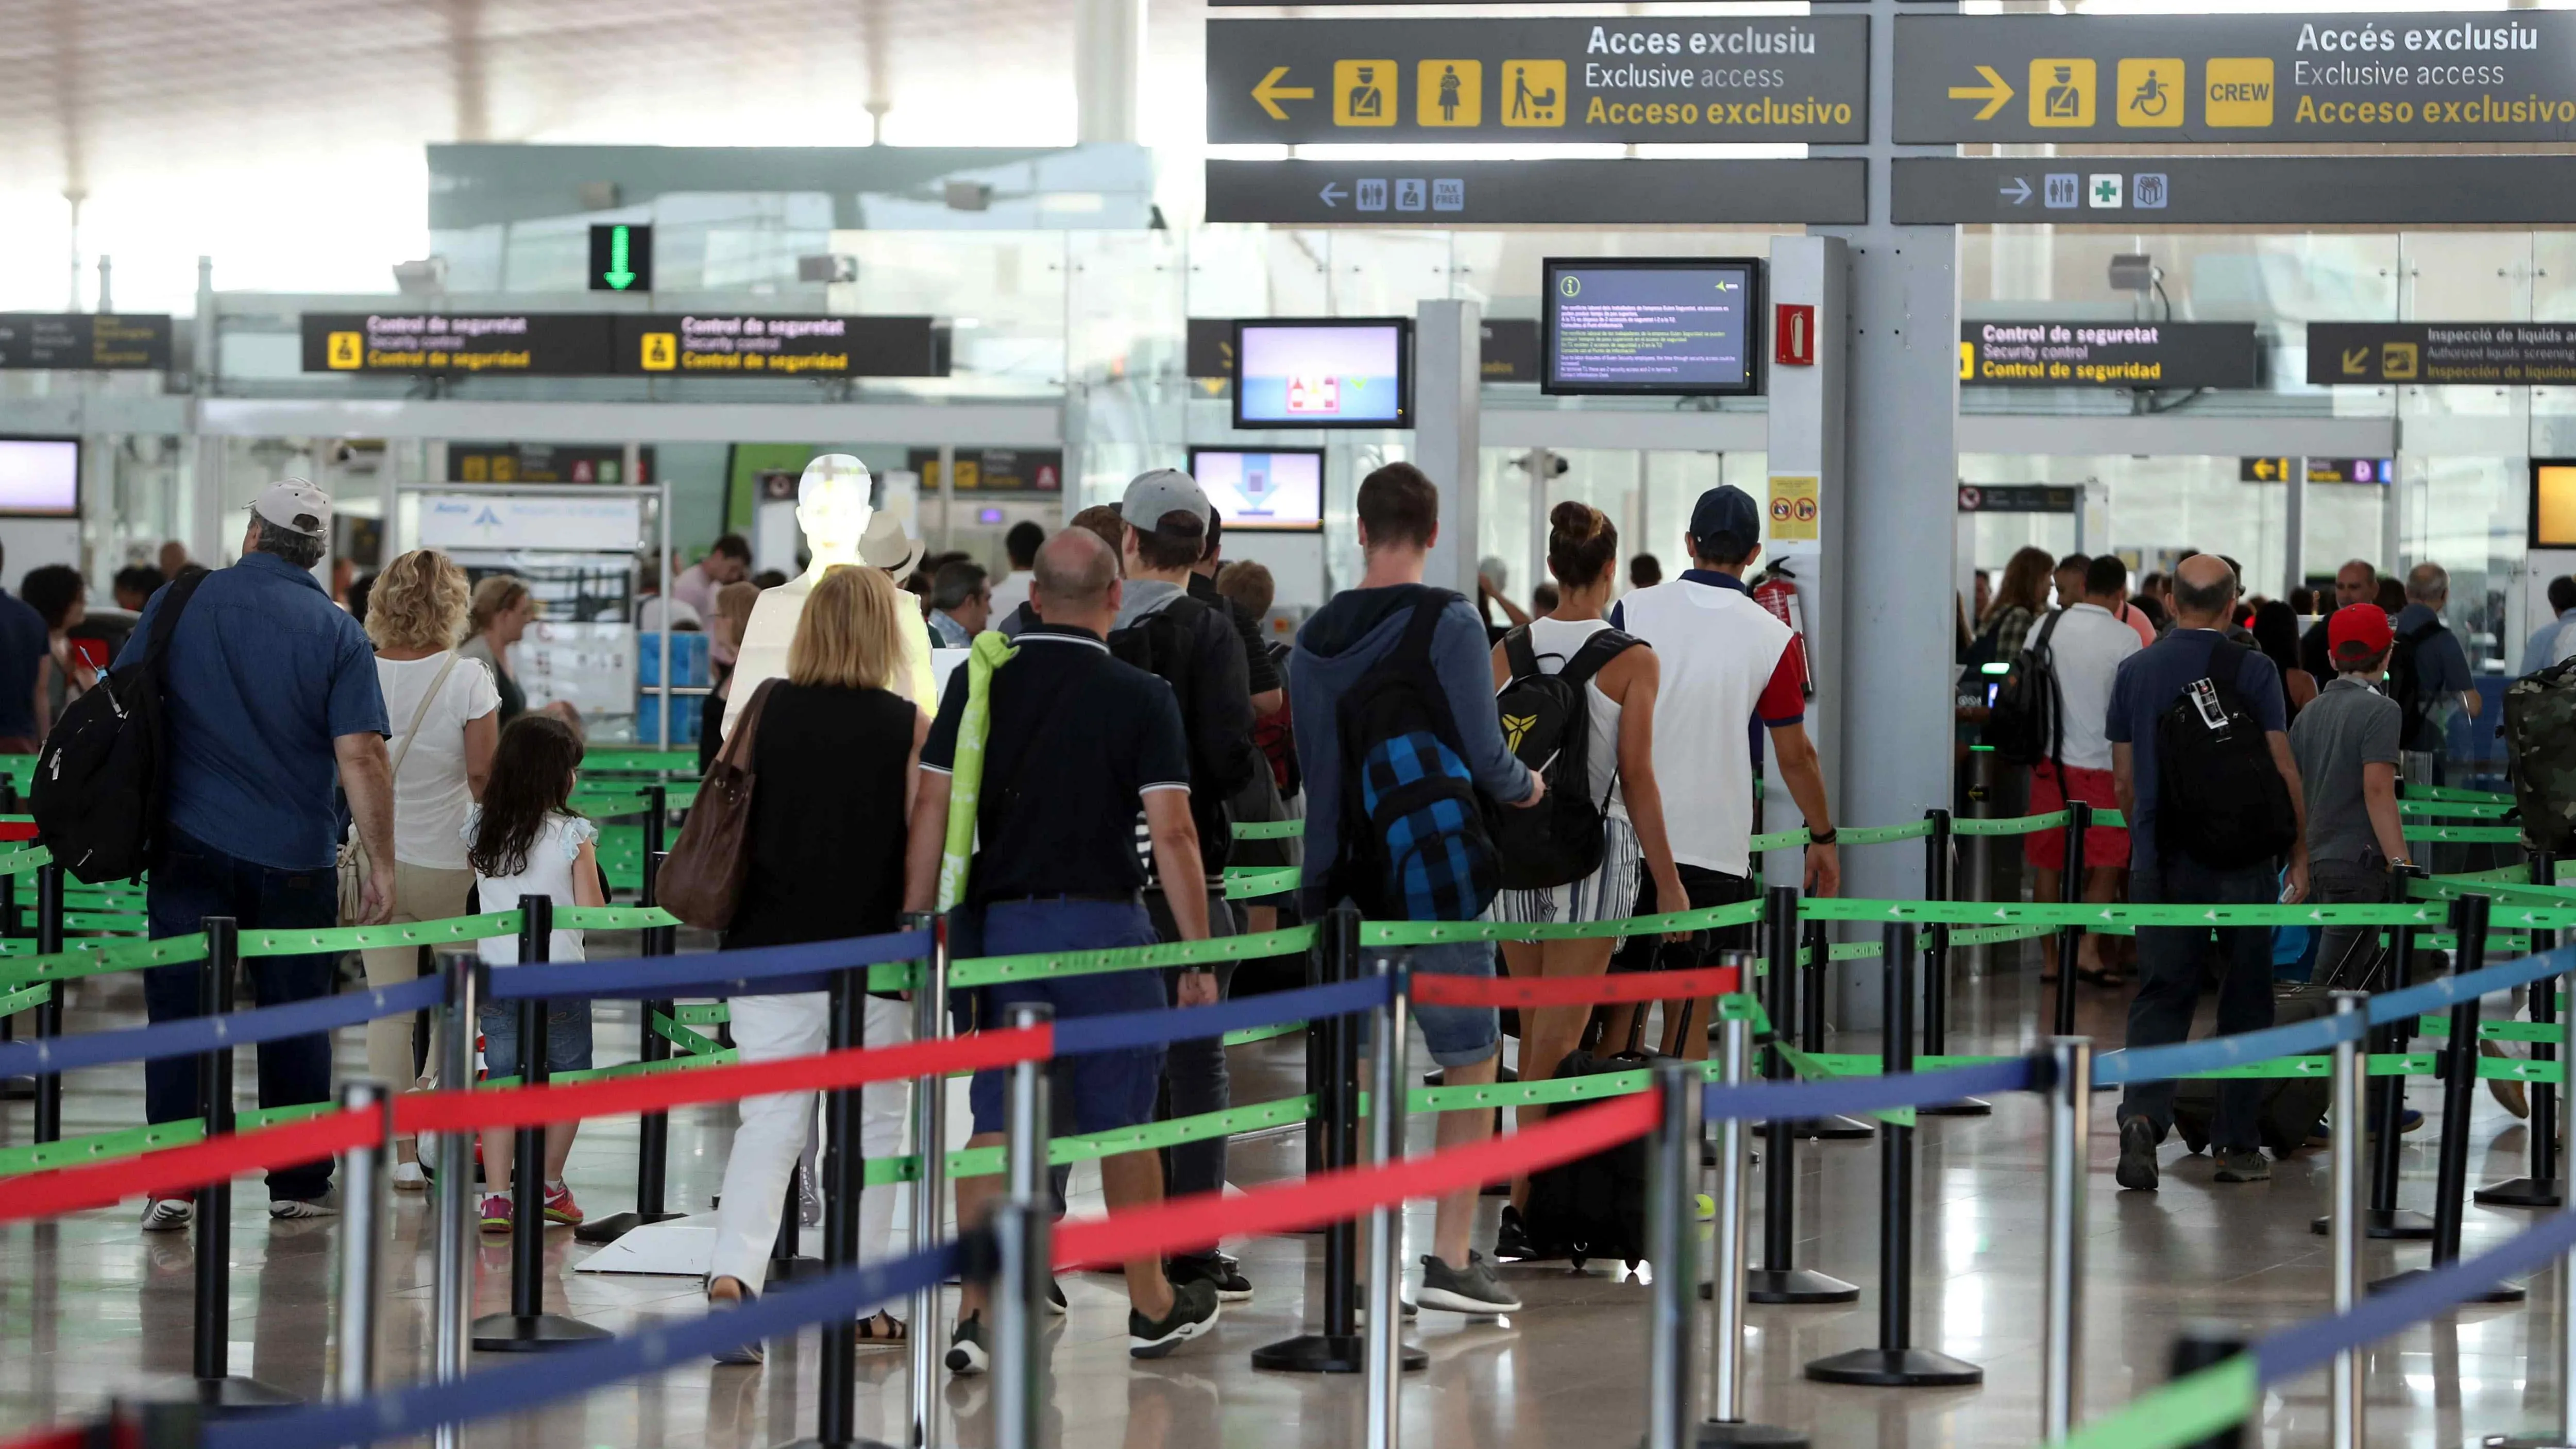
(2359,633)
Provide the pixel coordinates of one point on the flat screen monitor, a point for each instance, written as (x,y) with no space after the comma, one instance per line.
(1275,488)
(1341,372)
(1689,326)
(2553,503)
(39,477)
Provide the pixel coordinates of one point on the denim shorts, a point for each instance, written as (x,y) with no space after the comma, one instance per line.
(567,1037)
(1457,1036)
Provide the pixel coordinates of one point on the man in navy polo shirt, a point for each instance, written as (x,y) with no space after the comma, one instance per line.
(271,693)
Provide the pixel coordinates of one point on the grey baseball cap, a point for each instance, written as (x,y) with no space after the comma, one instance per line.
(1164,491)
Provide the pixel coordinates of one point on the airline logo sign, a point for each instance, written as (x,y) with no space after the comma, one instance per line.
(2445,76)
(1683,78)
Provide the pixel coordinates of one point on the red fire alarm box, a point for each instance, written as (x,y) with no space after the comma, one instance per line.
(1793,334)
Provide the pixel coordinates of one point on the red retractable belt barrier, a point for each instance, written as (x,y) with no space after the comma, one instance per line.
(176,1170)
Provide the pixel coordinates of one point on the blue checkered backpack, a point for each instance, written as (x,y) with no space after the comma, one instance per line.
(1415,841)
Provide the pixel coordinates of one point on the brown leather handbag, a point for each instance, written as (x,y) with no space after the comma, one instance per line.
(701,882)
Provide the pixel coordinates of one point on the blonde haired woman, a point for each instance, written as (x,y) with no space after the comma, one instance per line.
(446,714)
(826,842)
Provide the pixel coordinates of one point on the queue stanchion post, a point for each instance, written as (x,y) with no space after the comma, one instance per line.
(362,1231)
(1896,1362)
(218,1389)
(49,1012)
(1669,1214)
(1936,964)
(2541,1187)
(1671,1180)
(1811,1033)
(2070,1119)
(653,1129)
(929,1189)
(1386,1349)
(1020,1232)
(452,1256)
(1779,1279)
(527,1327)
(2351,1067)
(836,1385)
(2070,890)
(2459,1089)
(2201,1348)
(2383,1218)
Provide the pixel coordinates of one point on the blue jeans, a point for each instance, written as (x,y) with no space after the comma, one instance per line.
(1111,1089)
(567,1037)
(2169,976)
(192,881)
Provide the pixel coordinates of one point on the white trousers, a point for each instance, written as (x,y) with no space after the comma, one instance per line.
(776,1128)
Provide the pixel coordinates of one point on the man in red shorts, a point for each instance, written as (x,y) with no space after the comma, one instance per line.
(2085,652)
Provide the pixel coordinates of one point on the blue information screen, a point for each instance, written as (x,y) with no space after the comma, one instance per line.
(1665,327)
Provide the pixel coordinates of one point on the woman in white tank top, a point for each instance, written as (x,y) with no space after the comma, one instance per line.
(1583,554)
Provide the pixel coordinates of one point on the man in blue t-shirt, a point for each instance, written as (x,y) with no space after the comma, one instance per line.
(2169,957)
(271,694)
(2441,666)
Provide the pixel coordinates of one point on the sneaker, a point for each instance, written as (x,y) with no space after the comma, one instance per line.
(168,1214)
(1055,1298)
(410,1177)
(1194,1311)
(1512,1241)
(966,1354)
(2244,1165)
(2509,1094)
(1472,1289)
(1216,1270)
(499,1216)
(292,1209)
(560,1208)
(2137,1169)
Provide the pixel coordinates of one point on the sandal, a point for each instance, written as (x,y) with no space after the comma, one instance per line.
(893,1334)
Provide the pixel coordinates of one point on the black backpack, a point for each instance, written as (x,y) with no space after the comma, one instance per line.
(2028,722)
(1416,843)
(2406,686)
(1595,1207)
(1547,721)
(1163,644)
(2220,799)
(101,774)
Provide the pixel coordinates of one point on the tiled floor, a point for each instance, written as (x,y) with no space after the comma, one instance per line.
(89,1307)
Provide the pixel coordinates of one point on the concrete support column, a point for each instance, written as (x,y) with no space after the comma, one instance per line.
(2294,527)
(1447,416)
(1108,68)
(1810,436)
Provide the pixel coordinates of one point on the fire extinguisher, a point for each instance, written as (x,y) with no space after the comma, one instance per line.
(1777,591)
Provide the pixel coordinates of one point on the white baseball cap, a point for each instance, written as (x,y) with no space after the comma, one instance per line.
(296,506)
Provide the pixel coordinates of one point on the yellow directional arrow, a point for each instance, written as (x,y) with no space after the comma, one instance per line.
(2356,361)
(1270,92)
(1994,93)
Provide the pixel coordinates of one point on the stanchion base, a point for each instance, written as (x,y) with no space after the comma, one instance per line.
(1964,1107)
(235,1395)
(2500,1293)
(1896,1368)
(1794,1285)
(796,1269)
(610,1229)
(1713,1434)
(2404,1224)
(1831,1129)
(2520,1192)
(538,1333)
(1325,1353)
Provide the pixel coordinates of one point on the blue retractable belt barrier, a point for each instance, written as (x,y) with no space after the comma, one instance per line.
(2434,995)
(2181,1059)
(1842,1095)
(1129,1029)
(2297,1349)
(192,1035)
(751,971)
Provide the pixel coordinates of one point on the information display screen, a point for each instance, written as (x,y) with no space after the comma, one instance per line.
(2553,503)
(1324,373)
(39,477)
(1282,488)
(1689,326)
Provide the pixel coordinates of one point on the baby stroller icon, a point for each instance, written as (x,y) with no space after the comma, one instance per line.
(1528,105)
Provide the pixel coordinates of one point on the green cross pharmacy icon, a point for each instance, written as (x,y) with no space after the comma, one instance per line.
(2106,190)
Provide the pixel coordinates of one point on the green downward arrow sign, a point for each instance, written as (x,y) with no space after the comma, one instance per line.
(617,274)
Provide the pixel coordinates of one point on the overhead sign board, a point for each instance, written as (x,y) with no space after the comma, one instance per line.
(2017,498)
(1703,78)
(84,341)
(603,464)
(2435,354)
(1580,192)
(2264,470)
(582,344)
(2352,470)
(993,470)
(2108,354)
(2129,191)
(2237,77)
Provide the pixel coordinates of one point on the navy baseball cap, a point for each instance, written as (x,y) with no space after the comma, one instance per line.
(1726,509)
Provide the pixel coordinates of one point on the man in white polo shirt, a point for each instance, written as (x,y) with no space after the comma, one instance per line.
(1727,663)
(2086,644)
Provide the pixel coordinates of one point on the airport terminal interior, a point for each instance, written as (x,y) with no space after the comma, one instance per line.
(596,366)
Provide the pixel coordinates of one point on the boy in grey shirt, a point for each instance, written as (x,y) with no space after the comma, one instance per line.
(2345,742)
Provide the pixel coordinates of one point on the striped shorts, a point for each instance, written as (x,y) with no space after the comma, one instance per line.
(1608,894)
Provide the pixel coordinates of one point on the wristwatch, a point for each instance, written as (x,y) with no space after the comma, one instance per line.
(1822,837)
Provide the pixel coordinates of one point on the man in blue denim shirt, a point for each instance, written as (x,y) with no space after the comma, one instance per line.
(271,692)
